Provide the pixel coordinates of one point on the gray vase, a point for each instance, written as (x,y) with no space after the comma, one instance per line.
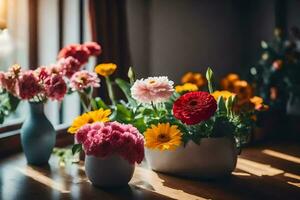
(213,158)
(37,136)
(111,171)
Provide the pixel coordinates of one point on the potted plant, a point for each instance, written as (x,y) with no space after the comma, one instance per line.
(111,149)
(184,129)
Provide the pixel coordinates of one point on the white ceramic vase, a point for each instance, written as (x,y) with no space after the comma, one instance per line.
(111,171)
(213,158)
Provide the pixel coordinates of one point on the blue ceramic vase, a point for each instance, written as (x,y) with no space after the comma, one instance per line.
(37,136)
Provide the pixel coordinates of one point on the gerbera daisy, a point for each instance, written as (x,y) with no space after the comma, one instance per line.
(194,107)
(163,136)
(100,115)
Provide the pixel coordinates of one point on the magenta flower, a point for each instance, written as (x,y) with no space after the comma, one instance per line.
(104,139)
(55,87)
(28,85)
(84,79)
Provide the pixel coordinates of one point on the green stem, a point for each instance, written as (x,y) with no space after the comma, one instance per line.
(85,101)
(154,108)
(110,90)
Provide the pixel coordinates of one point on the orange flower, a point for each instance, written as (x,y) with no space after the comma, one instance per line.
(228,81)
(243,91)
(195,78)
(258,103)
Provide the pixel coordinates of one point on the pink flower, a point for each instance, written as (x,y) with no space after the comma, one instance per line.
(81,134)
(152,89)
(28,85)
(69,66)
(8,82)
(84,79)
(104,139)
(77,51)
(55,87)
(94,48)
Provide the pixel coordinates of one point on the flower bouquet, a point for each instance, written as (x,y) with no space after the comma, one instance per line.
(181,128)
(42,84)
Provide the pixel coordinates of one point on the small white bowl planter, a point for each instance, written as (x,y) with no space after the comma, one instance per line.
(111,171)
(213,158)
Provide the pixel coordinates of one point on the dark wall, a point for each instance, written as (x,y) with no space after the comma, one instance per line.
(170,37)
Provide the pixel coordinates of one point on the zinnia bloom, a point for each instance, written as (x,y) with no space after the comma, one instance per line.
(94,48)
(84,79)
(69,66)
(104,139)
(195,78)
(223,93)
(187,87)
(105,69)
(163,136)
(153,89)
(77,51)
(55,87)
(100,115)
(28,85)
(194,107)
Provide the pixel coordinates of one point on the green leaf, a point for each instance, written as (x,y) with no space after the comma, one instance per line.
(139,124)
(125,87)
(76,148)
(124,111)
(100,103)
(221,105)
(94,104)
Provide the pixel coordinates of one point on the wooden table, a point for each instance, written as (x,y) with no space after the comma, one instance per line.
(263,172)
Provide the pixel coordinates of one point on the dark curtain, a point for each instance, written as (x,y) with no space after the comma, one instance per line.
(109,28)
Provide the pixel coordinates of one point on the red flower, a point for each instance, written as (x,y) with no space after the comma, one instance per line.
(94,48)
(77,51)
(194,107)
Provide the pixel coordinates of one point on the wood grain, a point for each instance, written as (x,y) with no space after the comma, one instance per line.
(263,172)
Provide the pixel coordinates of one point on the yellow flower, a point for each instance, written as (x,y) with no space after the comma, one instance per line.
(105,69)
(195,78)
(100,115)
(163,136)
(187,87)
(224,93)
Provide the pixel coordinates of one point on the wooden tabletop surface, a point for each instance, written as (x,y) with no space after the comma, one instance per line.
(263,172)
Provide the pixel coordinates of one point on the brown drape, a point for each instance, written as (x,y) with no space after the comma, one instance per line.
(109,28)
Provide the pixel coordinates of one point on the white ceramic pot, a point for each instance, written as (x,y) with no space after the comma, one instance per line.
(111,171)
(214,157)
